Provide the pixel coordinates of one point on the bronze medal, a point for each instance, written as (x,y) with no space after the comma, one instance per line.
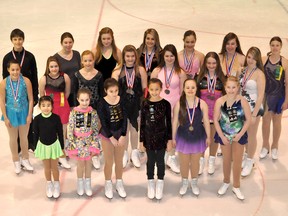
(130,91)
(191,128)
(167,91)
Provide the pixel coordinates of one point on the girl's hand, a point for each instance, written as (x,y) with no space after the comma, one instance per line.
(142,148)
(170,145)
(92,154)
(7,123)
(113,141)
(236,138)
(225,140)
(29,119)
(284,105)
(208,142)
(122,141)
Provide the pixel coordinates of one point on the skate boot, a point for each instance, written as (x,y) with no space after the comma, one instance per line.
(184,187)
(17,166)
(26,165)
(223,189)
(151,189)
(80,186)
(172,164)
(49,189)
(135,159)
(64,163)
(56,192)
(120,188)
(87,185)
(159,189)
(201,165)
(109,189)
(211,165)
(194,187)
(125,159)
(248,167)
(96,162)
(238,193)
(274,153)
(264,152)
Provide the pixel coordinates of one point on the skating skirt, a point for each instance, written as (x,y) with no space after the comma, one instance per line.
(52,151)
(16,118)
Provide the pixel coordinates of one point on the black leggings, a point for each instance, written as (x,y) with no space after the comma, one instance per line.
(155,156)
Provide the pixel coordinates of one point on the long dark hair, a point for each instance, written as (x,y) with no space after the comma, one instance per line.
(228,37)
(171,48)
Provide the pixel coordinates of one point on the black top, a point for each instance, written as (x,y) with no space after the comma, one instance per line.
(28,69)
(155,126)
(56,84)
(154,64)
(113,119)
(48,130)
(106,66)
(95,85)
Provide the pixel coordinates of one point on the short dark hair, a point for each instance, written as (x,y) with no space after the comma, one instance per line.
(84,91)
(155,80)
(13,61)
(66,35)
(110,82)
(17,33)
(45,98)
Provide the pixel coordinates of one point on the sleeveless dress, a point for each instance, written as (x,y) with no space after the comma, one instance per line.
(191,142)
(251,94)
(95,85)
(82,133)
(154,64)
(195,66)
(231,122)
(174,88)
(275,86)
(106,66)
(209,97)
(56,89)
(132,102)
(16,112)
(235,67)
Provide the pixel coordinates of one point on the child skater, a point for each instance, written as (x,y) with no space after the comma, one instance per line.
(16,106)
(156,118)
(83,139)
(113,132)
(57,84)
(48,137)
(232,117)
(190,136)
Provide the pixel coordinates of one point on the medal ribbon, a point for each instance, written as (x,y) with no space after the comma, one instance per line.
(211,84)
(188,62)
(246,78)
(191,118)
(15,94)
(229,68)
(168,78)
(129,78)
(148,59)
(22,60)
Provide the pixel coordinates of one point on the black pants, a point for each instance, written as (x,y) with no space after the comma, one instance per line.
(155,156)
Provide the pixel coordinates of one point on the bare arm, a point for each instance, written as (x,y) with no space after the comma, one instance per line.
(143,77)
(261,91)
(42,83)
(30,99)
(155,72)
(182,77)
(115,74)
(175,120)
(285,67)
(204,108)
(67,85)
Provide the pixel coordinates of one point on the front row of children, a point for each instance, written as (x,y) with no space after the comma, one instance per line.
(189,132)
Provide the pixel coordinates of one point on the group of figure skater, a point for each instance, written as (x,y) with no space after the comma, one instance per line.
(170,105)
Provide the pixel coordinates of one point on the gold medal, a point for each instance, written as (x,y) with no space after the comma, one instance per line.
(191,128)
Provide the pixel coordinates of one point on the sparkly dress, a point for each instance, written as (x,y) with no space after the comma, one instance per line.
(16,111)
(56,89)
(210,97)
(231,122)
(82,132)
(191,142)
(155,126)
(275,86)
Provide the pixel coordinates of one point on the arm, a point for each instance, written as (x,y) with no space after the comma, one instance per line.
(70,131)
(155,72)
(119,57)
(60,131)
(36,130)
(168,124)
(175,122)
(261,91)
(142,122)
(30,100)
(285,67)
(75,89)
(144,78)
(42,84)
(3,102)
(182,77)
(104,118)
(115,74)
(206,122)
(5,72)
(67,85)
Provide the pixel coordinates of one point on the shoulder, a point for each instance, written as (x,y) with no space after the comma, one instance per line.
(284,63)
(264,59)
(199,54)
(26,80)
(155,72)
(76,53)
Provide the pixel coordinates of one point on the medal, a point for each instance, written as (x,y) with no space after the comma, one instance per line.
(189,63)
(191,128)
(15,94)
(191,118)
(129,80)
(211,84)
(130,91)
(148,59)
(168,79)
(22,60)
(246,78)
(229,68)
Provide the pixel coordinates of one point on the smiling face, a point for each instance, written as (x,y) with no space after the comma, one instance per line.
(211,64)
(46,107)
(83,100)
(154,90)
(150,41)
(67,44)
(17,43)
(87,61)
(129,59)
(189,42)
(14,71)
(232,88)
(106,40)
(53,69)
(169,58)
(231,46)
(190,88)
